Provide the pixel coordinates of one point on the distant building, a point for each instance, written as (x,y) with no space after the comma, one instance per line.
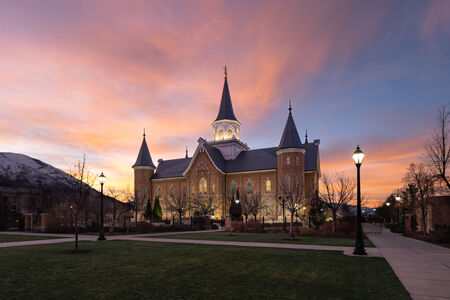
(225,164)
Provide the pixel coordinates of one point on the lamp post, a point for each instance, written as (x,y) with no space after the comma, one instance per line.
(358,156)
(101,234)
(397,203)
(284,214)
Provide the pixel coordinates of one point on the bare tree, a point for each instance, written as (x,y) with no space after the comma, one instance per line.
(293,198)
(205,205)
(136,201)
(336,191)
(116,208)
(274,210)
(437,148)
(246,207)
(79,189)
(424,185)
(177,203)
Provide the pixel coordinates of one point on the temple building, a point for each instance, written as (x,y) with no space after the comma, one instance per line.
(224,165)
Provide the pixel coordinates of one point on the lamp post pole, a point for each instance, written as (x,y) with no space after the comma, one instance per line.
(397,203)
(101,235)
(358,156)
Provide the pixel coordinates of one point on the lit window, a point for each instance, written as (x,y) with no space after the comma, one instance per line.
(249,187)
(172,191)
(202,186)
(213,188)
(288,160)
(193,190)
(220,134)
(158,192)
(268,186)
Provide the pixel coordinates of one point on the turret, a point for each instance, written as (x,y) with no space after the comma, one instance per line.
(143,172)
(291,158)
(226,126)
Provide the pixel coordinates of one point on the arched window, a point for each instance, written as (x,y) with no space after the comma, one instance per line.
(249,187)
(193,189)
(213,188)
(202,186)
(220,134)
(297,183)
(288,160)
(268,186)
(230,133)
(172,191)
(233,188)
(158,192)
(298,160)
(184,192)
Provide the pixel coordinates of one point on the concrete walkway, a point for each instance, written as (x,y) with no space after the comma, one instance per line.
(347,250)
(423,268)
(152,237)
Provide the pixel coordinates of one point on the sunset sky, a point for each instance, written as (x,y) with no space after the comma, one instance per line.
(87,76)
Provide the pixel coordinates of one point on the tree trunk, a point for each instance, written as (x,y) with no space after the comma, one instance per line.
(180,219)
(291,227)
(135,218)
(333,225)
(76,232)
(245,223)
(424,221)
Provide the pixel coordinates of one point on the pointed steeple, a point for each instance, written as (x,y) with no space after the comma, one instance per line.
(306,137)
(226,108)
(186,153)
(290,138)
(144,159)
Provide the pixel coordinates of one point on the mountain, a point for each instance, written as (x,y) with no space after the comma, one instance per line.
(20,170)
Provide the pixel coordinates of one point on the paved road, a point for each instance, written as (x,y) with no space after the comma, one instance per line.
(423,268)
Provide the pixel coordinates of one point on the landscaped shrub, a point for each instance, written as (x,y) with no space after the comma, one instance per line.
(144,227)
(441,234)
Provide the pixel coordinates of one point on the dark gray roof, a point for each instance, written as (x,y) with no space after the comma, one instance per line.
(290,138)
(226,108)
(144,158)
(172,168)
(251,160)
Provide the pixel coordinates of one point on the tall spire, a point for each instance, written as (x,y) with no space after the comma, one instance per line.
(186,153)
(306,136)
(290,138)
(226,108)
(144,158)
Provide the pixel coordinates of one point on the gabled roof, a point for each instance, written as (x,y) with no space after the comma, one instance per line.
(290,138)
(246,161)
(171,168)
(226,108)
(144,159)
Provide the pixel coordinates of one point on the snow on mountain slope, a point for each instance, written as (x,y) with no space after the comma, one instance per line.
(21,170)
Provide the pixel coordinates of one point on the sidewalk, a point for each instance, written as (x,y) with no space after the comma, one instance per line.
(372,252)
(423,268)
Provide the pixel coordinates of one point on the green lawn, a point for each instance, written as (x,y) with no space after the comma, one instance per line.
(267,238)
(6,238)
(133,270)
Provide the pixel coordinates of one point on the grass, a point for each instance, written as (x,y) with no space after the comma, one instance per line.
(267,238)
(6,238)
(132,270)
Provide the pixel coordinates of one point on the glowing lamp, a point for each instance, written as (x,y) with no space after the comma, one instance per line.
(102,179)
(358,156)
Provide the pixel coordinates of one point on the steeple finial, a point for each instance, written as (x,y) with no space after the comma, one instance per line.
(306,136)
(144,132)
(186,152)
(290,107)
(225,72)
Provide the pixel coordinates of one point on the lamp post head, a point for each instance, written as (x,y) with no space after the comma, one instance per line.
(102,179)
(388,203)
(358,156)
(398,198)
